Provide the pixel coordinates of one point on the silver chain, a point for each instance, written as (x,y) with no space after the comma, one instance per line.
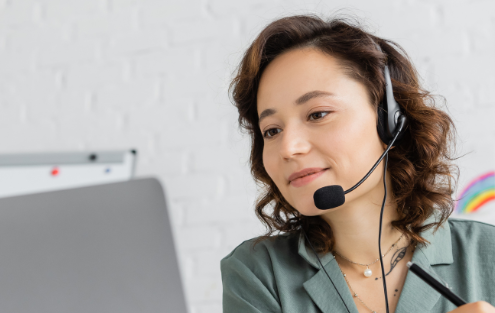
(373,261)
(354,294)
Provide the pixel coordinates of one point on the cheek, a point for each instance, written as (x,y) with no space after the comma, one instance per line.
(354,137)
(350,146)
(274,168)
(367,139)
(336,142)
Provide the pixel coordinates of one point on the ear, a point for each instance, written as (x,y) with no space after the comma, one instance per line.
(385,146)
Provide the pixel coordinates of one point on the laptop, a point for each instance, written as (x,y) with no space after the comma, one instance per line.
(102,248)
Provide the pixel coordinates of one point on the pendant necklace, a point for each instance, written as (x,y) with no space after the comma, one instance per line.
(367,271)
(354,294)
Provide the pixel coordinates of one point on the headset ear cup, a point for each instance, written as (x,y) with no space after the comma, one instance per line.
(381,127)
(382,118)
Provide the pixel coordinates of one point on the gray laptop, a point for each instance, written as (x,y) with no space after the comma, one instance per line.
(103,248)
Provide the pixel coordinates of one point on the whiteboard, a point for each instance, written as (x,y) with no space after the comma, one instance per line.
(39,172)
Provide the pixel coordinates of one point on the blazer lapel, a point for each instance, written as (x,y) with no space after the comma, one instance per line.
(325,295)
(416,295)
(320,288)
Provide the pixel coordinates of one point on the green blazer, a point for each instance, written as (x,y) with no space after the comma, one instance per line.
(282,275)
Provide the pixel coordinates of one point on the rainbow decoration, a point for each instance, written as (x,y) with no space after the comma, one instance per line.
(479,192)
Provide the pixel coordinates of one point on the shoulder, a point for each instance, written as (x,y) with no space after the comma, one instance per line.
(471,229)
(473,251)
(471,236)
(257,253)
(255,265)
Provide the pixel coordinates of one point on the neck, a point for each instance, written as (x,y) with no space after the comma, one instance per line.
(355,226)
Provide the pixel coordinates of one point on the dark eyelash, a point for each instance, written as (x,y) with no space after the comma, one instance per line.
(266,131)
(319,112)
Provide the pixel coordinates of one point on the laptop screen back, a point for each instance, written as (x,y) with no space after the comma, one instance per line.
(104,248)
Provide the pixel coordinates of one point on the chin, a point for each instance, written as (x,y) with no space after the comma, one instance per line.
(312,212)
(302,200)
(307,208)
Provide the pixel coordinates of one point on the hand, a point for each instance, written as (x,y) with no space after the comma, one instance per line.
(475,307)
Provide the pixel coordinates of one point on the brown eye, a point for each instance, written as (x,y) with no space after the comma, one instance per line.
(271,132)
(317,115)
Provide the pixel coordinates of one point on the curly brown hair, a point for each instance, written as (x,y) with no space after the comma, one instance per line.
(420,165)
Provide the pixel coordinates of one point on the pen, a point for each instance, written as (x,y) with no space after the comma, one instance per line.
(435,284)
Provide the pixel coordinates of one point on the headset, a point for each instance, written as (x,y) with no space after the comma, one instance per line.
(390,127)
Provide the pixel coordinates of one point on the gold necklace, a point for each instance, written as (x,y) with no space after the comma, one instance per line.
(354,294)
(367,271)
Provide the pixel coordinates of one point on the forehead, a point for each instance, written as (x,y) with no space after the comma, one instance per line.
(296,72)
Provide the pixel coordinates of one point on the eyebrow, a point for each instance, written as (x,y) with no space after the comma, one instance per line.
(302,99)
(313,94)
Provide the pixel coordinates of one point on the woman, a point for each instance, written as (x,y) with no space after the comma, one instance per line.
(308,92)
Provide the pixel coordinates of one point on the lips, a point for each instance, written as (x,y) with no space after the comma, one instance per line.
(305,172)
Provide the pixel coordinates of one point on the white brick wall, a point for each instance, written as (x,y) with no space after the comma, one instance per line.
(149,74)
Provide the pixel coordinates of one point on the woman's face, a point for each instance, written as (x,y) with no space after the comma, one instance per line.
(316,121)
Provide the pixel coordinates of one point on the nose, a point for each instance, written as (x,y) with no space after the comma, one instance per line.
(294,143)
